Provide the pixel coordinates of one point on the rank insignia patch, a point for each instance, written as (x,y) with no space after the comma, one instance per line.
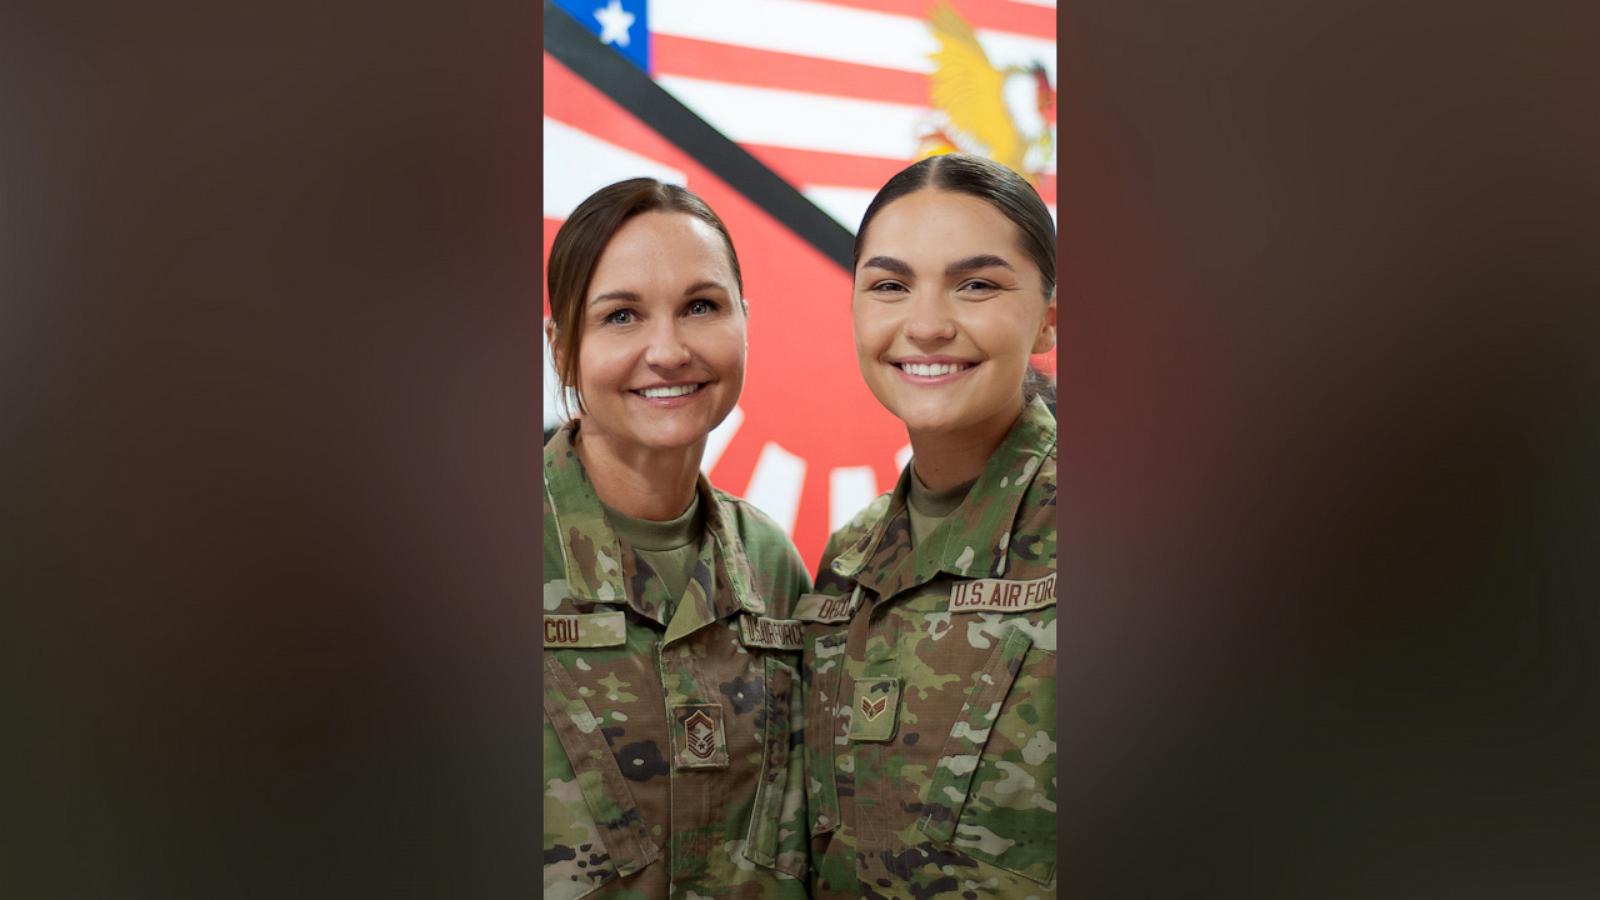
(698,739)
(877,702)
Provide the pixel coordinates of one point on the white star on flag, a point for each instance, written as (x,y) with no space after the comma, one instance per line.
(614,24)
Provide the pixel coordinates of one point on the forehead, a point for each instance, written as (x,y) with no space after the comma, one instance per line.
(657,252)
(935,226)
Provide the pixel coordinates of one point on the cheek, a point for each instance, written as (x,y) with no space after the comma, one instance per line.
(874,327)
(724,347)
(601,365)
(1004,333)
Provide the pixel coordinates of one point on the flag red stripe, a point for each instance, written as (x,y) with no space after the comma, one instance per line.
(805,168)
(1018,18)
(549,237)
(735,64)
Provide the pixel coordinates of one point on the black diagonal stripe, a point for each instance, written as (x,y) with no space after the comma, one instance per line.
(580,51)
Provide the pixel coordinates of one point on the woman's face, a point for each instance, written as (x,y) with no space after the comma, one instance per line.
(663,350)
(947,309)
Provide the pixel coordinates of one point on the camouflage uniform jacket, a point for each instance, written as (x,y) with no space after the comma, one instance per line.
(930,690)
(667,763)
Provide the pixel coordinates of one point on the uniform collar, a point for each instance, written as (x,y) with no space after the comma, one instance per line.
(973,540)
(599,571)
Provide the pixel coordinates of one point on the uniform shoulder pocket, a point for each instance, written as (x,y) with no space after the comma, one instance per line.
(593,830)
(993,790)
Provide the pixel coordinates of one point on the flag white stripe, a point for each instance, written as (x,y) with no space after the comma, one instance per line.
(776,484)
(850,489)
(719,438)
(576,164)
(839,33)
(846,205)
(780,118)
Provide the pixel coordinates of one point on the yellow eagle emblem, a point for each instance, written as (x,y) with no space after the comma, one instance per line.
(970,93)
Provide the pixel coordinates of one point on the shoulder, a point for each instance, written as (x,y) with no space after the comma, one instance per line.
(765,544)
(862,524)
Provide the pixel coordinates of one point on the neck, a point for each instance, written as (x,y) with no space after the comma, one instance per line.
(640,482)
(944,459)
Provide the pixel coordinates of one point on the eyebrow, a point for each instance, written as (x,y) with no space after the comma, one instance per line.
(888,263)
(633,297)
(973,263)
(699,286)
(626,296)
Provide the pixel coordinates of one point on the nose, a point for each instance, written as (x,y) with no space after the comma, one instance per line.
(666,349)
(929,320)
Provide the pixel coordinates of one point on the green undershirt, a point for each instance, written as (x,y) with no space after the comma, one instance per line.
(670,548)
(929,508)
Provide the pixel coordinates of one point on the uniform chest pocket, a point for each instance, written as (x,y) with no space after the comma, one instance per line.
(593,833)
(993,790)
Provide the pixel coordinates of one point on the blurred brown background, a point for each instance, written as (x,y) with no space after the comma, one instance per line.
(269,486)
(1330,449)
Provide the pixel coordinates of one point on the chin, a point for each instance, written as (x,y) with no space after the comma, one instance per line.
(672,440)
(929,420)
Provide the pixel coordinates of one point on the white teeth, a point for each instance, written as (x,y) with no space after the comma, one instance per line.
(675,391)
(926,370)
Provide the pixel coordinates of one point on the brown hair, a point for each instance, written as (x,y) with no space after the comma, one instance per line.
(584,236)
(1000,187)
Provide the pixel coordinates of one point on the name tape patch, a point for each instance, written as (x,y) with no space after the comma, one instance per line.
(822,608)
(774,634)
(1002,595)
(602,629)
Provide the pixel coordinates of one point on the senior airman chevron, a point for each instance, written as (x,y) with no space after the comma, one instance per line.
(1002,595)
(774,634)
(602,629)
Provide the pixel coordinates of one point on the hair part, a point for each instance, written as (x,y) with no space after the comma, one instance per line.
(582,239)
(1000,187)
(976,176)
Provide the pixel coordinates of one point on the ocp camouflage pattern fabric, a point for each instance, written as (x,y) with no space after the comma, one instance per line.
(671,748)
(930,691)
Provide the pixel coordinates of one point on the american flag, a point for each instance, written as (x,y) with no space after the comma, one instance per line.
(832,98)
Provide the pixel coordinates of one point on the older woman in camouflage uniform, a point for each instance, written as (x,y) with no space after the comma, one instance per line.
(671,683)
(930,656)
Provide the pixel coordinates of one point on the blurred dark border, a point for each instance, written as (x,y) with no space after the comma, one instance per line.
(268,506)
(1331,457)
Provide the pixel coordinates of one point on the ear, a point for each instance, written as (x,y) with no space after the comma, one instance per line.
(550,336)
(1045,341)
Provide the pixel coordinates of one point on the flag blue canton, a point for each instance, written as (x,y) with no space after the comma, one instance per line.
(622,25)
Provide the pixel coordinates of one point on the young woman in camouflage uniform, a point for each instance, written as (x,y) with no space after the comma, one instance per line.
(671,683)
(930,640)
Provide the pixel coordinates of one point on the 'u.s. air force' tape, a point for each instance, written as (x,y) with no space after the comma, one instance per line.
(774,634)
(1002,595)
(601,629)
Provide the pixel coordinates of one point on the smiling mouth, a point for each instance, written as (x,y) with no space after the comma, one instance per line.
(667,393)
(933,370)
